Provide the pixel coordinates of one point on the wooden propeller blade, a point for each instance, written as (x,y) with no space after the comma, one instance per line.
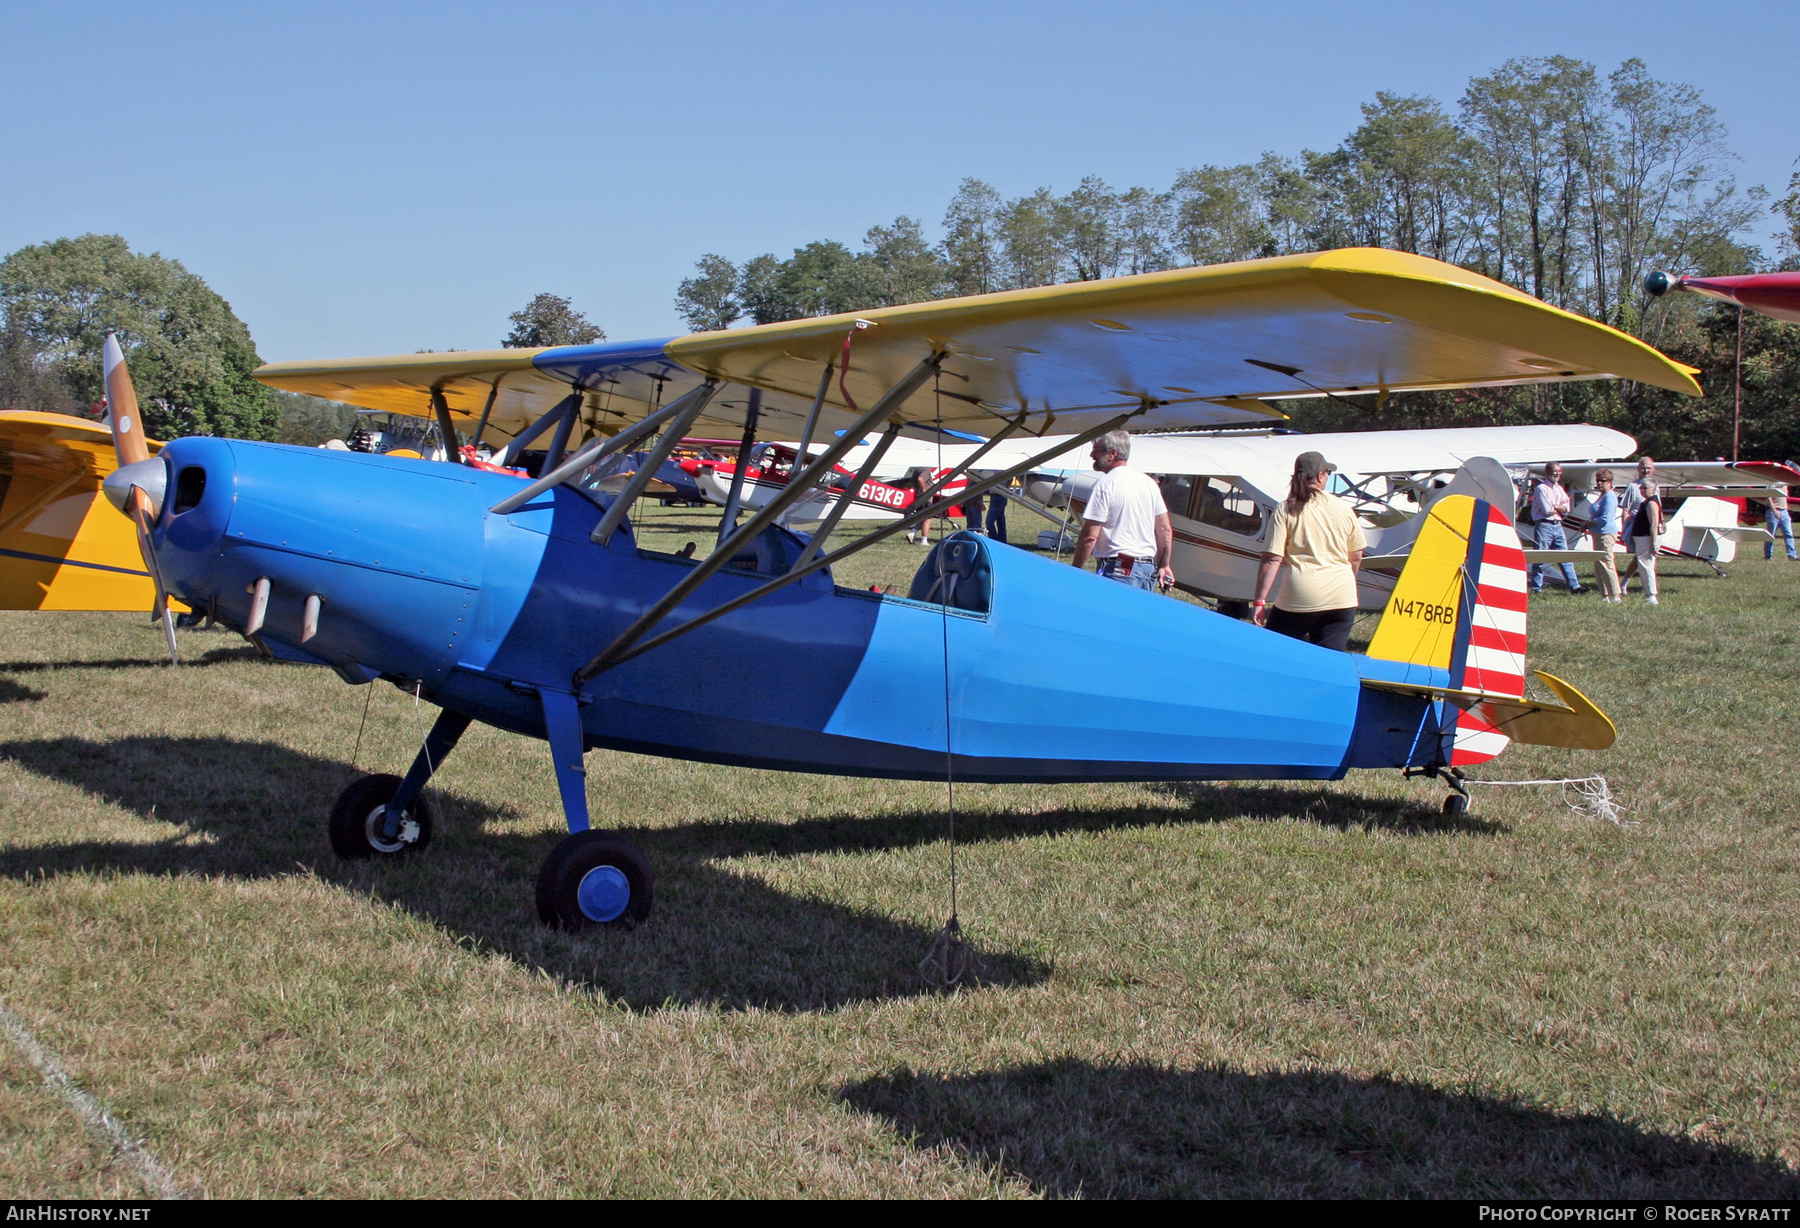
(121,400)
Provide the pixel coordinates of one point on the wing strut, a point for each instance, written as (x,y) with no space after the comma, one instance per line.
(653,460)
(817,545)
(799,486)
(734,498)
(446,432)
(918,514)
(593,450)
(564,408)
(812,416)
(848,495)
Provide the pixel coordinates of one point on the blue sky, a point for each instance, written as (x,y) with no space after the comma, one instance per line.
(380,177)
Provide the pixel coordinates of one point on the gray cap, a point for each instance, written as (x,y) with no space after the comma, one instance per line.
(1312,464)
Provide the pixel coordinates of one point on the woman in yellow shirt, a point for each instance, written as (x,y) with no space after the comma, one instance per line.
(1319,543)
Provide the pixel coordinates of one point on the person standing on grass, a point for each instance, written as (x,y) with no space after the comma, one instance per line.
(1125,526)
(1628,506)
(1646,526)
(1606,537)
(1320,543)
(996,515)
(1549,504)
(1780,523)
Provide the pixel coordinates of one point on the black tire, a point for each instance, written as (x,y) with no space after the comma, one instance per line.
(356,820)
(615,872)
(1456,805)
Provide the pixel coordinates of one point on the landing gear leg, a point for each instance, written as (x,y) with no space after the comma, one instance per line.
(591,878)
(385,816)
(1457,804)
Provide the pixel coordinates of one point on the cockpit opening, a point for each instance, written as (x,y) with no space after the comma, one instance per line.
(956,573)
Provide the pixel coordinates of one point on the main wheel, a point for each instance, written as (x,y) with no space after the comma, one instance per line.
(358,819)
(1456,805)
(594,878)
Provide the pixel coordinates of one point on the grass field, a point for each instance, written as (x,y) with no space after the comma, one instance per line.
(1245,989)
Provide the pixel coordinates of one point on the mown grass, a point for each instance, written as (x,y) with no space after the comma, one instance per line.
(1236,989)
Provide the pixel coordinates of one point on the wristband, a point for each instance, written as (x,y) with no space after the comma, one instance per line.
(1262,603)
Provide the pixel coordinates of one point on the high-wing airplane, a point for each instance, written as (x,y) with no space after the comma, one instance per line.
(1222,490)
(531,607)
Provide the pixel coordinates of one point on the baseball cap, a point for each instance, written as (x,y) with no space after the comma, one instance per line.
(1312,464)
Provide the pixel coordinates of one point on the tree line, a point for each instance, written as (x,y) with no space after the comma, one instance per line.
(191,357)
(1546,174)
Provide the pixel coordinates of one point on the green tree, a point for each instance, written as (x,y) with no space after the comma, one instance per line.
(1144,221)
(549,319)
(1218,215)
(757,289)
(907,267)
(709,299)
(824,278)
(310,421)
(1090,220)
(971,244)
(1787,208)
(191,357)
(1031,241)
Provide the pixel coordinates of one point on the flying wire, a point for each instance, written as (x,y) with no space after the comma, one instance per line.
(367,699)
(950,959)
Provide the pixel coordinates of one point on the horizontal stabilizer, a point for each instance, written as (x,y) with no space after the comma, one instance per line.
(1575,724)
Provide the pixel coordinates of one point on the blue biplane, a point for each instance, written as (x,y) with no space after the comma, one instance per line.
(530,605)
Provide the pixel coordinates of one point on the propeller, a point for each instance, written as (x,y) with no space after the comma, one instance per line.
(138,485)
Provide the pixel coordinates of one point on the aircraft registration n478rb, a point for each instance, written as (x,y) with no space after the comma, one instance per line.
(530,606)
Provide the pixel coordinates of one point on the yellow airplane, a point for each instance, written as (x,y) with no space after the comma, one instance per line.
(63,547)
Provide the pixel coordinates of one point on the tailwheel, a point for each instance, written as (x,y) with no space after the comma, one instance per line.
(359,827)
(1456,805)
(594,878)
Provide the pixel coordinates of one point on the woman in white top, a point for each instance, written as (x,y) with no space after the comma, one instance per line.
(1319,542)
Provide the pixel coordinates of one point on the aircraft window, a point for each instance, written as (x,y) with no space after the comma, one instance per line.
(1178,493)
(1225,505)
(190,485)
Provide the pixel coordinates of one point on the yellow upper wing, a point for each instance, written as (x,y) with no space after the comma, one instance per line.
(1193,347)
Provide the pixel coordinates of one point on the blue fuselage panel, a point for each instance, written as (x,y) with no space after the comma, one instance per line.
(1066,677)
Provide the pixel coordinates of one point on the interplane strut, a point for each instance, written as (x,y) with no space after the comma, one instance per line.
(935,508)
(800,484)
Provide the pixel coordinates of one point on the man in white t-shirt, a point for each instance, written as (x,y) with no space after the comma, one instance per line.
(1125,526)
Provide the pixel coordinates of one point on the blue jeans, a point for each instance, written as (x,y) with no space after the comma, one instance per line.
(1550,536)
(996,515)
(1141,575)
(1780,524)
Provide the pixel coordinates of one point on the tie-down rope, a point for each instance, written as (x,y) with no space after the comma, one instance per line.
(1593,797)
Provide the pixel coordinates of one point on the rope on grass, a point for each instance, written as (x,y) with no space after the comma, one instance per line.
(1593,797)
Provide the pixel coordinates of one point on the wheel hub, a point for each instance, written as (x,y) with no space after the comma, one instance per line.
(604,894)
(378,840)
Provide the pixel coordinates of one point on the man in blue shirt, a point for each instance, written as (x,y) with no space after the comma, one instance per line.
(1549,503)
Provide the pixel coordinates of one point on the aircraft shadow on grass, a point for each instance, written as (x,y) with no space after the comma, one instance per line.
(1073,1127)
(217,656)
(719,935)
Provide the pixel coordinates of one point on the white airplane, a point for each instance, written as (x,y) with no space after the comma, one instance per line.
(1222,490)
